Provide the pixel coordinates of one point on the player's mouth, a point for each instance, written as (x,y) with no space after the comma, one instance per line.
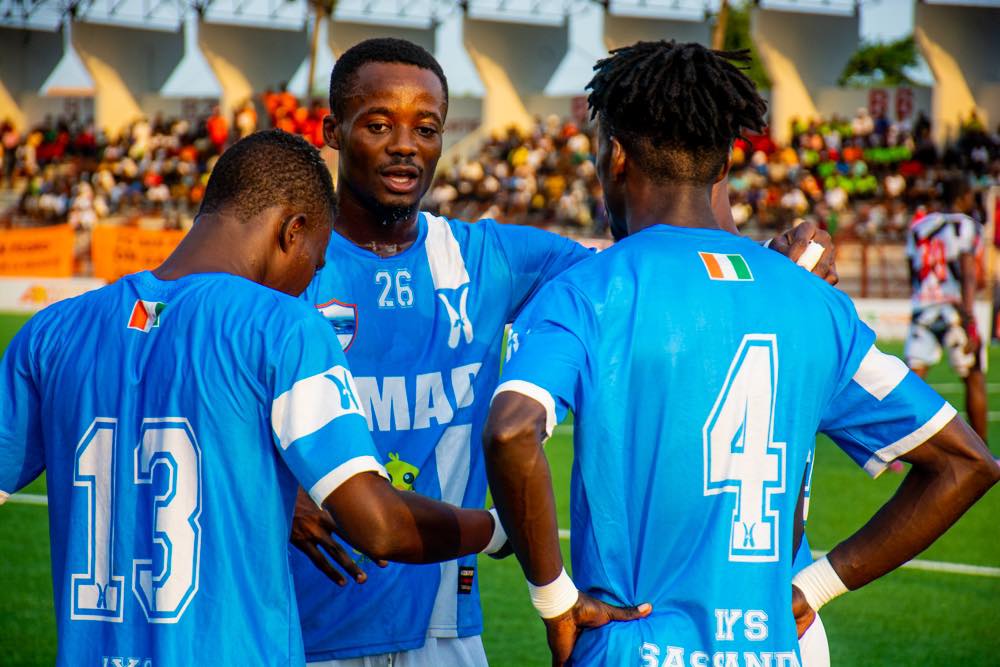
(400,179)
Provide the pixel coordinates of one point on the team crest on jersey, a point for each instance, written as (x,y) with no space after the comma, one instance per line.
(343,317)
(456,307)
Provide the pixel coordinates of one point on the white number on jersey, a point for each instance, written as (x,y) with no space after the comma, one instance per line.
(164,589)
(741,457)
(404,293)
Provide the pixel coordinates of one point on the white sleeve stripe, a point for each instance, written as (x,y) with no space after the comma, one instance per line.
(3,497)
(333,479)
(535,392)
(883,457)
(312,403)
(880,373)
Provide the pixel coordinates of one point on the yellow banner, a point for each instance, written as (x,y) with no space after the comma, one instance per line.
(37,252)
(117,251)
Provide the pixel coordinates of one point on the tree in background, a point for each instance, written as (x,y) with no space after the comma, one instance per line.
(733,24)
(881,64)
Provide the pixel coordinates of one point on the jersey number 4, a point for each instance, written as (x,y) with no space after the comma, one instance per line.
(741,457)
(165,582)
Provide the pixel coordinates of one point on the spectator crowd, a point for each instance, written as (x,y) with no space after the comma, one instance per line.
(865,174)
(67,170)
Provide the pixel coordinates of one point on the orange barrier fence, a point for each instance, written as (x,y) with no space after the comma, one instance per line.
(37,251)
(117,251)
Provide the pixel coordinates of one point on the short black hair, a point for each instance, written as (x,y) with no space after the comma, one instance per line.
(266,169)
(378,50)
(676,108)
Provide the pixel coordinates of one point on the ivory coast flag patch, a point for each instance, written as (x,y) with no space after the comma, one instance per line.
(725,267)
(145,315)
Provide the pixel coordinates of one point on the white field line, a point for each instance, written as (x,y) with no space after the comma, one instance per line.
(928,565)
(958,387)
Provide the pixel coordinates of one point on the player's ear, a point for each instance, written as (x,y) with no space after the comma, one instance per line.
(330,134)
(618,157)
(727,165)
(291,231)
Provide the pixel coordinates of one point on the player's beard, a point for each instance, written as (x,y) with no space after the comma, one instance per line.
(390,216)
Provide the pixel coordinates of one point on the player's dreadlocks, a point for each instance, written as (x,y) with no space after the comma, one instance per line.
(270,168)
(676,108)
(378,50)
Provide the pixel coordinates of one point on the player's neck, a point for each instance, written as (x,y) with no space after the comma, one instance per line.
(676,204)
(384,232)
(199,252)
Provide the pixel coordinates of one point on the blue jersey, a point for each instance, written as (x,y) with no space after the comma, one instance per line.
(422,332)
(691,439)
(175,420)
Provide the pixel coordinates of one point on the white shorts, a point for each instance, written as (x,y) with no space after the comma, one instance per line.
(437,652)
(933,328)
(813,646)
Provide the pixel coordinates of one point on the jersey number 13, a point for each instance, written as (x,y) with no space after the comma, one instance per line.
(165,579)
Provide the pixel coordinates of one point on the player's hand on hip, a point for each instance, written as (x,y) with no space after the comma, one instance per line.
(793,242)
(312,528)
(804,614)
(588,612)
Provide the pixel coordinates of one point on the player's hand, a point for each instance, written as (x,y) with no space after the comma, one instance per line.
(794,242)
(312,528)
(804,614)
(588,612)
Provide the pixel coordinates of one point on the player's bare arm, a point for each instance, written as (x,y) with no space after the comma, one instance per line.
(969,287)
(389,524)
(521,484)
(949,473)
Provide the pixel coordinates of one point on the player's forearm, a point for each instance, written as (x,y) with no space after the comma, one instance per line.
(436,531)
(402,526)
(521,484)
(939,488)
(968,263)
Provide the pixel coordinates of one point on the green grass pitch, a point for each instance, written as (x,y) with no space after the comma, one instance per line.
(909,618)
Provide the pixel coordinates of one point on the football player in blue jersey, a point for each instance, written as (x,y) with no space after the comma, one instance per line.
(691,441)
(176,411)
(419,303)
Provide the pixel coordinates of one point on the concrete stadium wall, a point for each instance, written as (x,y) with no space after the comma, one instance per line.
(846,101)
(27,57)
(511,75)
(802,54)
(246,60)
(625,30)
(961,47)
(128,66)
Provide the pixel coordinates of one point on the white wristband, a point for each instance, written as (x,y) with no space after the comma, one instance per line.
(810,256)
(499,535)
(554,598)
(819,583)
(767,243)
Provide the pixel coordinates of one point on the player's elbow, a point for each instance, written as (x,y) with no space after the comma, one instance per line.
(986,472)
(975,472)
(501,436)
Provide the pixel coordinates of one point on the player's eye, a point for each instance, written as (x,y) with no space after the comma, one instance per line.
(426,131)
(378,128)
